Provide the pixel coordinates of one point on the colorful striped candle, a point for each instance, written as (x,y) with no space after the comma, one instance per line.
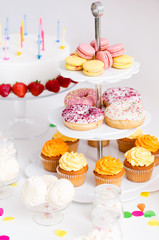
(5,47)
(25,25)
(42,35)
(58,31)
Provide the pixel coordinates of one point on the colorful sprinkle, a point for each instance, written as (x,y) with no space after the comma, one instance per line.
(60,233)
(13,185)
(127,214)
(4,237)
(52,125)
(1,211)
(8,219)
(153,222)
(137,213)
(144,194)
(149,213)
(141,206)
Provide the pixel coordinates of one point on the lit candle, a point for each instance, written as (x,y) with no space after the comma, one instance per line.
(22,24)
(7,27)
(63,38)
(21,36)
(25,25)
(42,35)
(19,45)
(58,31)
(39,55)
(5,48)
(0,33)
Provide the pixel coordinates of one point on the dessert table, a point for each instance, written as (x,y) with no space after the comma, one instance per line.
(17,221)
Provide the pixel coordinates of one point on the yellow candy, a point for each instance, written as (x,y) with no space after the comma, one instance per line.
(8,219)
(13,185)
(60,233)
(144,194)
(153,222)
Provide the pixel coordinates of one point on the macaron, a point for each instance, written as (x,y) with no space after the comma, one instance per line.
(104,44)
(74,63)
(122,62)
(86,51)
(93,68)
(116,50)
(105,57)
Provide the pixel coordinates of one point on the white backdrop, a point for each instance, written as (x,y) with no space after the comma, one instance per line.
(131,22)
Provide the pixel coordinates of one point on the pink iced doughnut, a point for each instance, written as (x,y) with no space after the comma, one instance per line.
(82,117)
(81,96)
(112,95)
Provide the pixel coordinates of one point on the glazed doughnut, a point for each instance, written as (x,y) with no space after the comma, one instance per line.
(82,117)
(81,96)
(124,115)
(120,93)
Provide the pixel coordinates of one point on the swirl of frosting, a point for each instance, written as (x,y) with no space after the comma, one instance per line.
(34,191)
(108,166)
(9,168)
(54,147)
(122,110)
(139,156)
(7,150)
(121,93)
(136,134)
(63,137)
(148,142)
(72,161)
(82,114)
(81,96)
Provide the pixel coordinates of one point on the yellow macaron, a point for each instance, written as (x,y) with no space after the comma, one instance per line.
(93,68)
(74,63)
(122,62)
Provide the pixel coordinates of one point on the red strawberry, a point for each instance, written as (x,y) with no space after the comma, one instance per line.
(74,81)
(64,82)
(19,89)
(36,88)
(53,85)
(5,89)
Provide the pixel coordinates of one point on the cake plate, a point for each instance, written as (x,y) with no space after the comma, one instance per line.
(24,126)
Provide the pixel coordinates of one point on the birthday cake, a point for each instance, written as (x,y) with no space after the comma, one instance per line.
(27,67)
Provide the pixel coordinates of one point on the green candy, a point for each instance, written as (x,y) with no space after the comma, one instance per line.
(127,214)
(149,213)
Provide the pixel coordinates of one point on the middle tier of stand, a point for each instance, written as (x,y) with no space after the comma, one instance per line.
(104,132)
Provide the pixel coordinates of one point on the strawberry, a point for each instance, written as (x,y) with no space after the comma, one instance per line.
(19,89)
(64,82)
(74,81)
(53,85)
(5,89)
(36,88)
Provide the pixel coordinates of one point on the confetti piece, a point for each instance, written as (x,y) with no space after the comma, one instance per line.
(141,206)
(4,237)
(8,219)
(144,194)
(52,125)
(137,213)
(1,211)
(60,233)
(153,222)
(13,185)
(149,213)
(127,214)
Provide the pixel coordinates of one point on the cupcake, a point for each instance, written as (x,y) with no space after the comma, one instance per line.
(94,143)
(127,143)
(150,143)
(138,164)
(108,170)
(51,153)
(71,142)
(73,166)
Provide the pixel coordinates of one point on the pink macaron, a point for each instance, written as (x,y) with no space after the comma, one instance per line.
(105,57)
(116,50)
(86,51)
(104,44)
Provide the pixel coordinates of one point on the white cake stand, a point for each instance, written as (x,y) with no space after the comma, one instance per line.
(24,126)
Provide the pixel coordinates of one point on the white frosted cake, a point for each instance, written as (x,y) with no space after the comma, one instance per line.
(27,67)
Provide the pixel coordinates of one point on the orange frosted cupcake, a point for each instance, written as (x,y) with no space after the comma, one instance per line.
(73,166)
(138,164)
(51,153)
(94,143)
(150,143)
(71,142)
(127,143)
(108,170)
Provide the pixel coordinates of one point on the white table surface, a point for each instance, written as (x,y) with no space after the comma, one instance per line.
(77,216)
